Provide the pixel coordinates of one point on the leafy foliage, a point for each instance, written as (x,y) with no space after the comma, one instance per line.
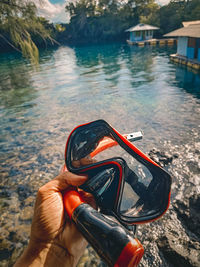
(19,24)
(171,16)
(103,20)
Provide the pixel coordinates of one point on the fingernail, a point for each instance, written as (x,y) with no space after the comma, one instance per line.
(84,175)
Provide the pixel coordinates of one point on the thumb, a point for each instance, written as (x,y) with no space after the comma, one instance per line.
(63,181)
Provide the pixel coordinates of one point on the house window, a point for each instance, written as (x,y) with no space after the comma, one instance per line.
(198,42)
(137,34)
(191,42)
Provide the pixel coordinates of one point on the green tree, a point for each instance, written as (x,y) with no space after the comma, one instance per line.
(94,20)
(18,22)
(103,20)
(177,11)
(150,14)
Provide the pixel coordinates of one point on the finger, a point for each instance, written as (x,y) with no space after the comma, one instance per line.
(63,181)
(63,169)
(72,240)
(76,163)
(87,160)
(88,198)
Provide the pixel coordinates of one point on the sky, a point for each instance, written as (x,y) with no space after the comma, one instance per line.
(54,10)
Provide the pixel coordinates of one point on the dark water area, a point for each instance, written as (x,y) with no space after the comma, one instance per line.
(133,88)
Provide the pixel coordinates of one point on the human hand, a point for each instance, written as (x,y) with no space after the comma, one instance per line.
(54,239)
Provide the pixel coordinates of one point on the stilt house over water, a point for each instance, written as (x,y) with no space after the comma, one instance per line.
(141,32)
(188,41)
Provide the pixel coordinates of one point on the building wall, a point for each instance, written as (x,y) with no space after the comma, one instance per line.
(148,35)
(141,36)
(135,37)
(198,49)
(190,52)
(192,48)
(182,46)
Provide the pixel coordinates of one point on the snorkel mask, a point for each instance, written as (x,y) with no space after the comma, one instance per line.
(125,182)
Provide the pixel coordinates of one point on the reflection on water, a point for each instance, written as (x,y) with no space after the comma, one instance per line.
(188,80)
(15,85)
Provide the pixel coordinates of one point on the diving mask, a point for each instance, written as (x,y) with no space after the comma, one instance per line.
(125,182)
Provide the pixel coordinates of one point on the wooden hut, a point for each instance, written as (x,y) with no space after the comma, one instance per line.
(141,32)
(188,48)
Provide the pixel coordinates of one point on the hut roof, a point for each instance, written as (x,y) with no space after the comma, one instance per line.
(187,23)
(142,27)
(190,29)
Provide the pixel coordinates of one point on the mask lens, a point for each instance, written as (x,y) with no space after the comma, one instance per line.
(129,198)
(84,143)
(145,194)
(136,195)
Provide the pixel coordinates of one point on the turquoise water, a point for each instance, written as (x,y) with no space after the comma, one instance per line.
(132,88)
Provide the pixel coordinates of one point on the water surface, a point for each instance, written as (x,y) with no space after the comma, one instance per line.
(133,88)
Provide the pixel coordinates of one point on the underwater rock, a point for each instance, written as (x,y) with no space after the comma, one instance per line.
(167,243)
(90,258)
(180,242)
(6,249)
(188,211)
(160,157)
(4,204)
(178,233)
(4,192)
(179,252)
(19,247)
(23,191)
(26,214)
(20,234)
(194,166)
(29,201)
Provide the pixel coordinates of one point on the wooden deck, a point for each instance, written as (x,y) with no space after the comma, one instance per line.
(154,42)
(190,63)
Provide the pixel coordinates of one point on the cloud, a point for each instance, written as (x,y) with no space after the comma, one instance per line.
(52,12)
